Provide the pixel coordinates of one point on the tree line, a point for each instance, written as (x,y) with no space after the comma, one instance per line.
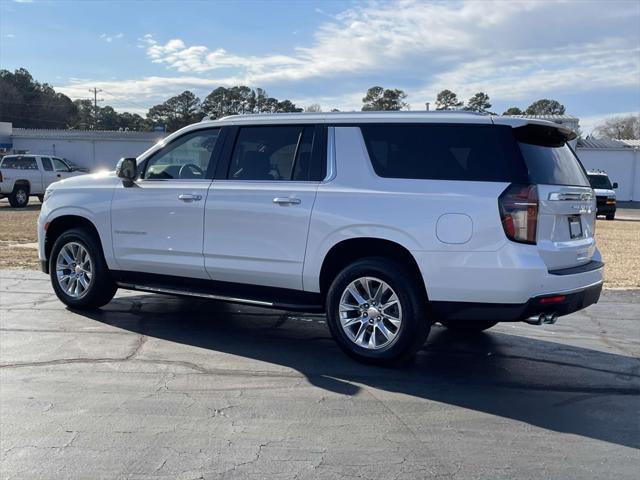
(379,98)
(28,103)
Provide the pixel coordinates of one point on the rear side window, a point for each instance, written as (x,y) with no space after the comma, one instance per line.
(549,159)
(444,152)
(273,153)
(20,163)
(46,164)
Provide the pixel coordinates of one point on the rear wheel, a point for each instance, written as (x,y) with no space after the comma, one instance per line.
(611,217)
(41,198)
(376,313)
(468,326)
(79,273)
(19,198)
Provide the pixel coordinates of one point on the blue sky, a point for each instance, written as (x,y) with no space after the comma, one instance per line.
(586,54)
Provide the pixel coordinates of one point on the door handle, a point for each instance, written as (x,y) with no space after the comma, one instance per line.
(287,201)
(187,197)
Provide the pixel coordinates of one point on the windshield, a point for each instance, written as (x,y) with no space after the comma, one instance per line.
(600,181)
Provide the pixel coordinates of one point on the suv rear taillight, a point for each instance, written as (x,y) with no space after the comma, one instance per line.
(519,212)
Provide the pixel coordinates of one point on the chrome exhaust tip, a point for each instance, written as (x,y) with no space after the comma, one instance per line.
(542,319)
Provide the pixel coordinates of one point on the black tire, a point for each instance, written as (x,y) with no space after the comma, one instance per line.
(611,217)
(468,326)
(19,198)
(414,328)
(101,288)
(41,198)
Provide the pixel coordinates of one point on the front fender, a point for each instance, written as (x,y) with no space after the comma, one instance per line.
(93,205)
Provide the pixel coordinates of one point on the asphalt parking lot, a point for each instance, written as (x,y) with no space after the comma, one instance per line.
(159,387)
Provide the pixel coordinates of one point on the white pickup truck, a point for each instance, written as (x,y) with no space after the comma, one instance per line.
(25,175)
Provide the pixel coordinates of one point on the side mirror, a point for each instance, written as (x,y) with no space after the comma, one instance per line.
(615,184)
(126,170)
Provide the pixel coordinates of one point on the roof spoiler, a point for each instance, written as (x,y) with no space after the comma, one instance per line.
(544,135)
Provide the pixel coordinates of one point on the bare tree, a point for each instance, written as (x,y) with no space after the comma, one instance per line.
(624,127)
(313,108)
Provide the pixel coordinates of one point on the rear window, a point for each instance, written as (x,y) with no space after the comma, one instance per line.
(549,159)
(19,163)
(444,152)
(600,181)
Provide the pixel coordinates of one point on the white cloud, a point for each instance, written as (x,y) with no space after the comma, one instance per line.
(488,44)
(111,38)
(564,70)
(10,35)
(511,50)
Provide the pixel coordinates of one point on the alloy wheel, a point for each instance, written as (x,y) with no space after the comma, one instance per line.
(370,313)
(74,269)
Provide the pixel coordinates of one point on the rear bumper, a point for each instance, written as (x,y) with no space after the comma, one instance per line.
(573,301)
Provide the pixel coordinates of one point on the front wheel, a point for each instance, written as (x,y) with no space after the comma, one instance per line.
(376,313)
(79,273)
(468,326)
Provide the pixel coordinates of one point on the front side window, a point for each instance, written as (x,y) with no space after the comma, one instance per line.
(60,166)
(273,153)
(46,164)
(20,163)
(186,158)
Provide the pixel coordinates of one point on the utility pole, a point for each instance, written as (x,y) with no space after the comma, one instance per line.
(95,92)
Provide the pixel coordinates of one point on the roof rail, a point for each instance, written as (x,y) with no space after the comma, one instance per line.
(357,112)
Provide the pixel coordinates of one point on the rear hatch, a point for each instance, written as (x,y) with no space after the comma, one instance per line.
(566,202)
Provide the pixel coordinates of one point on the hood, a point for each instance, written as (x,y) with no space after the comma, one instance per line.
(86,180)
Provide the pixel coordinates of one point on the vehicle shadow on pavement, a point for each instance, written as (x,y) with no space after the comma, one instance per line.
(550,385)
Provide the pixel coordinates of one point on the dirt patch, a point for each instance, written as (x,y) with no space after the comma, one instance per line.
(618,241)
(18,226)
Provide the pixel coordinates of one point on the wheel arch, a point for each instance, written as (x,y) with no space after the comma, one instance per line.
(22,181)
(62,223)
(352,249)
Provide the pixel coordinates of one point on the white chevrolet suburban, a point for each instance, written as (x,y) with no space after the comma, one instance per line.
(388,222)
(24,175)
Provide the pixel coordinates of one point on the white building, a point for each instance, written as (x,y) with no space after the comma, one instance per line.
(619,158)
(93,149)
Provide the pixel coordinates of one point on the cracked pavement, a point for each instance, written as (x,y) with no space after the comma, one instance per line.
(165,388)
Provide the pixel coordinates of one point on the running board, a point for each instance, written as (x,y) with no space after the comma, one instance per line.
(255,295)
(169,291)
